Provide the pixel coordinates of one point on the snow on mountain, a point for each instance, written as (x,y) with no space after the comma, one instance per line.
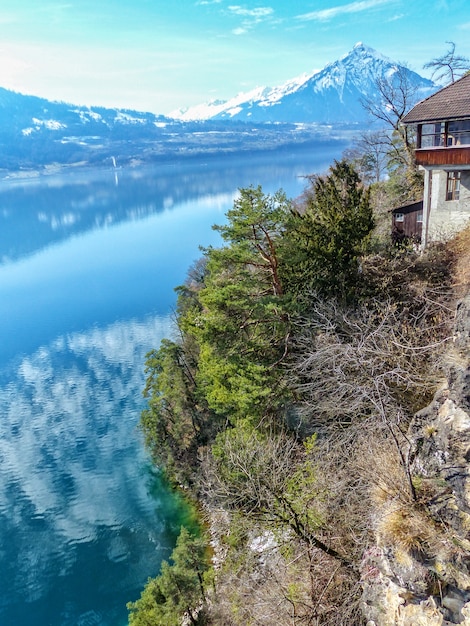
(263,96)
(35,132)
(331,95)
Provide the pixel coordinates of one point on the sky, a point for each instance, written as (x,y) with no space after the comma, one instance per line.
(161,55)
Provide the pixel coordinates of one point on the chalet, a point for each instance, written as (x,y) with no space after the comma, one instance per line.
(443,152)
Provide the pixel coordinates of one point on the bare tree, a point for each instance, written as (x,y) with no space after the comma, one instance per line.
(449,66)
(370,155)
(355,368)
(262,476)
(284,585)
(295,567)
(395,96)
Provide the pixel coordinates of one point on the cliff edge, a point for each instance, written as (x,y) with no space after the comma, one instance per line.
(418,573)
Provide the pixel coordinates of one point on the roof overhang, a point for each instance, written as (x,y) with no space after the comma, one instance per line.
(409,207)
(435,120)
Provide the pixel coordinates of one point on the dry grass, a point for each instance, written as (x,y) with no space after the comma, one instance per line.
(402,522)
(460,248)
(407,528)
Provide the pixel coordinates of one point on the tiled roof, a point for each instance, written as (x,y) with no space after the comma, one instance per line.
(450,103)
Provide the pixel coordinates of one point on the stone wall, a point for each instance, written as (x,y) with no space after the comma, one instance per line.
(447,217)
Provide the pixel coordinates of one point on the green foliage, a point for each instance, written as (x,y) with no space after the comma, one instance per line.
(328,239)
(291,327)
(220,392)
(255,224)
(243,322)
(233,387)
(236,311)
(179,590)
(176,422)
(234,322)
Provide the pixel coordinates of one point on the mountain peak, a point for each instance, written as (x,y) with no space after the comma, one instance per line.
(360,49)
(331,95)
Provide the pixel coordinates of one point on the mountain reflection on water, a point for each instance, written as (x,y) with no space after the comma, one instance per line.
(76,202)
(88,267)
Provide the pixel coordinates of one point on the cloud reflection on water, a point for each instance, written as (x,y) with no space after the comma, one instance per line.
(70,452)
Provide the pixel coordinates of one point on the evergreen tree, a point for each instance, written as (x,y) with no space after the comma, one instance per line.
(243,325)
(179,590)
(174,422)
(328,238)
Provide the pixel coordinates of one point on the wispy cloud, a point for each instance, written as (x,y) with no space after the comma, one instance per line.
(252,17)
(256,14)
(397,17)
(464,26)
(325,15)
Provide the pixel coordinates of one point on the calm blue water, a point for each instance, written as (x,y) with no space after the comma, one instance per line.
(88,263)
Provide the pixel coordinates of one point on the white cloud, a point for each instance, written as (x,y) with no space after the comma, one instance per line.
(325,15)
(252,17)
(256,14)
(239,31)
(397,17)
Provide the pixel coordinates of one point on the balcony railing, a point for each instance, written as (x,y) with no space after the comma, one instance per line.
(443,156)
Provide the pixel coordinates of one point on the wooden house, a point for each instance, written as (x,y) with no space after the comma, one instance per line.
(443,152)
(407,222)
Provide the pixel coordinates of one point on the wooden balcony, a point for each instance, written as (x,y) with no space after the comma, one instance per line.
(443,156)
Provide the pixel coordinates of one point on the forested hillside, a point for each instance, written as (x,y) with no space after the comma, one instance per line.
(304,346)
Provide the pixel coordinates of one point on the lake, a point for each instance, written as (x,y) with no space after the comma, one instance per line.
(88,265)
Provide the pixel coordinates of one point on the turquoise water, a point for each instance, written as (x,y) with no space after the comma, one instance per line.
(88,265)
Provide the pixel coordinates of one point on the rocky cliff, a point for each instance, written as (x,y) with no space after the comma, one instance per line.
(418,573)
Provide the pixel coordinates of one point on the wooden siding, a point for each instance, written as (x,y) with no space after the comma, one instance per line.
(408,226)
(443,156)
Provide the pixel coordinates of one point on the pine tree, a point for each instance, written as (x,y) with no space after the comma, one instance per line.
(179,590)
(328,239)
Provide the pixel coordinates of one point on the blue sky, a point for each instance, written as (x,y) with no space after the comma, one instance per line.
(159,55)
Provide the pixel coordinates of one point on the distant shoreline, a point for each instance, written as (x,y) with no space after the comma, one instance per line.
(168,156)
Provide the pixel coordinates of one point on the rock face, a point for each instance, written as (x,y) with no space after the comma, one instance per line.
(418,574)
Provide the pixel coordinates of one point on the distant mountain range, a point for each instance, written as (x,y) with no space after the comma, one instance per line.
(330,96)
(36,133)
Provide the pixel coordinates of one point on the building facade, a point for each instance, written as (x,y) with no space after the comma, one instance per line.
(443,152)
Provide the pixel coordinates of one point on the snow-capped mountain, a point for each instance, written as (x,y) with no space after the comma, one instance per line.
(37,134)
(29,115)
(332,95)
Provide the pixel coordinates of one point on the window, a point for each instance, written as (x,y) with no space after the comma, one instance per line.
(432,135)
(440,134)
(458,133)
(453,186)
(399,217)
(419,217)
